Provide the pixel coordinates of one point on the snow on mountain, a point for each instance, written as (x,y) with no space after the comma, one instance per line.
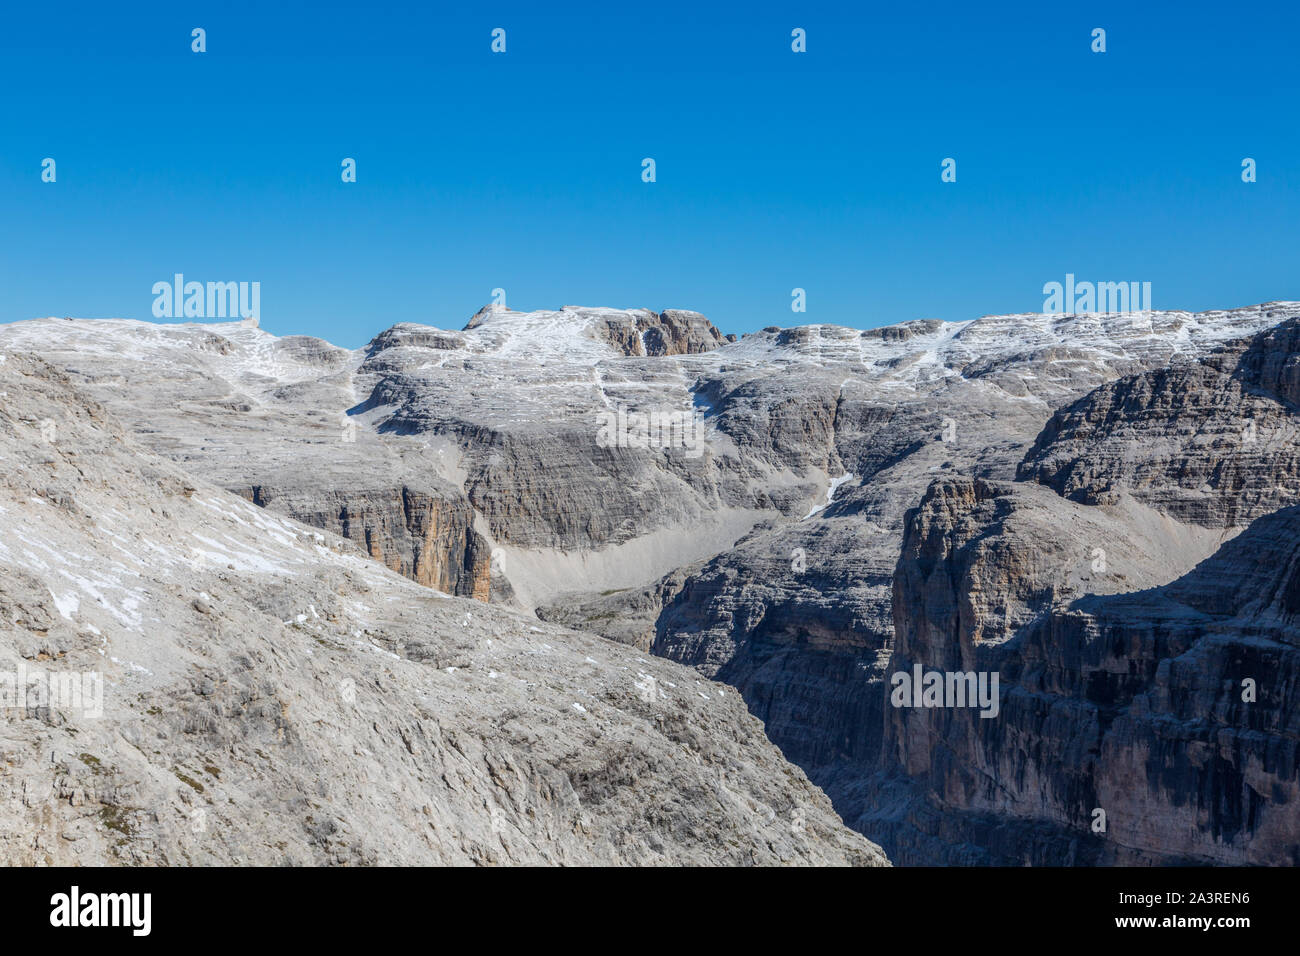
(914,354)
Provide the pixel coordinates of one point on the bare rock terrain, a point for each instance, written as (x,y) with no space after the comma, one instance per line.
(1118,694)
(766,550)
(271,694)
(1136,593)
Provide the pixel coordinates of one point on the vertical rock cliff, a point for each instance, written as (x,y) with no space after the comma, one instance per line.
(426,534)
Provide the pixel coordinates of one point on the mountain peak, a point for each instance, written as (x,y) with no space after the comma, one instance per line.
(574,332)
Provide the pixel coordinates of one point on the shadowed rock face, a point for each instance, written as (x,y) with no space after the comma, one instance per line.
(1129,703)
(811,648)
(1171,706)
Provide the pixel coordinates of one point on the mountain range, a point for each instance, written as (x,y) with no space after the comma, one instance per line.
(409,603)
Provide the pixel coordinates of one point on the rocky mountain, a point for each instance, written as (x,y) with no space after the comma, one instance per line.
(1137,592)
(1211,443)
(1119,695)
(189,678)
(749,508)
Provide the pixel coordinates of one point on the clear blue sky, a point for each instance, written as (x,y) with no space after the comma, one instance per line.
(523,170)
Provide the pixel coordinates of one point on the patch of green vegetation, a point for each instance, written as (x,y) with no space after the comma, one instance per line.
(198,787)
(212,771)
(115,818)
(91,761)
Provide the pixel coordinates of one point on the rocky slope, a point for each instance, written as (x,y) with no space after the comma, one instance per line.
(266,418)
(267,693)
(801,618)
(1212,442)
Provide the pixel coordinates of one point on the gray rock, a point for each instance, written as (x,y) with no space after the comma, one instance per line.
(1131,704)
(764,558)
(271,695)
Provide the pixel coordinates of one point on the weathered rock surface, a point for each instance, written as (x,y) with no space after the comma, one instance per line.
(763,556)
(1212,442)
(273,695)
(1132,704)
(426,534)
(1116,594)
(801,617)
(630,331)
(267,418)
(627,616)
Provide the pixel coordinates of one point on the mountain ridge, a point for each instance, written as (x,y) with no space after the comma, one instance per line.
(768,560)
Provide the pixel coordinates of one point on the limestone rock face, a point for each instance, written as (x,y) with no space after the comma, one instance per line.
(682,332)
(1135,592)
(270,694)
(267,419)
(800,615)
(631,332)
(1134,704)
(1212,442)
(425,534)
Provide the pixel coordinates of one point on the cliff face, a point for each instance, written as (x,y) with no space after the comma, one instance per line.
(426,535)
(791,621)
(267,419)
(1213,443)
(800,615)
(1135,594)
(632,332)
(681,332)
(1172,710)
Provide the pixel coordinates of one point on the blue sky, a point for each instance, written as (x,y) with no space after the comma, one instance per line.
(522,171)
